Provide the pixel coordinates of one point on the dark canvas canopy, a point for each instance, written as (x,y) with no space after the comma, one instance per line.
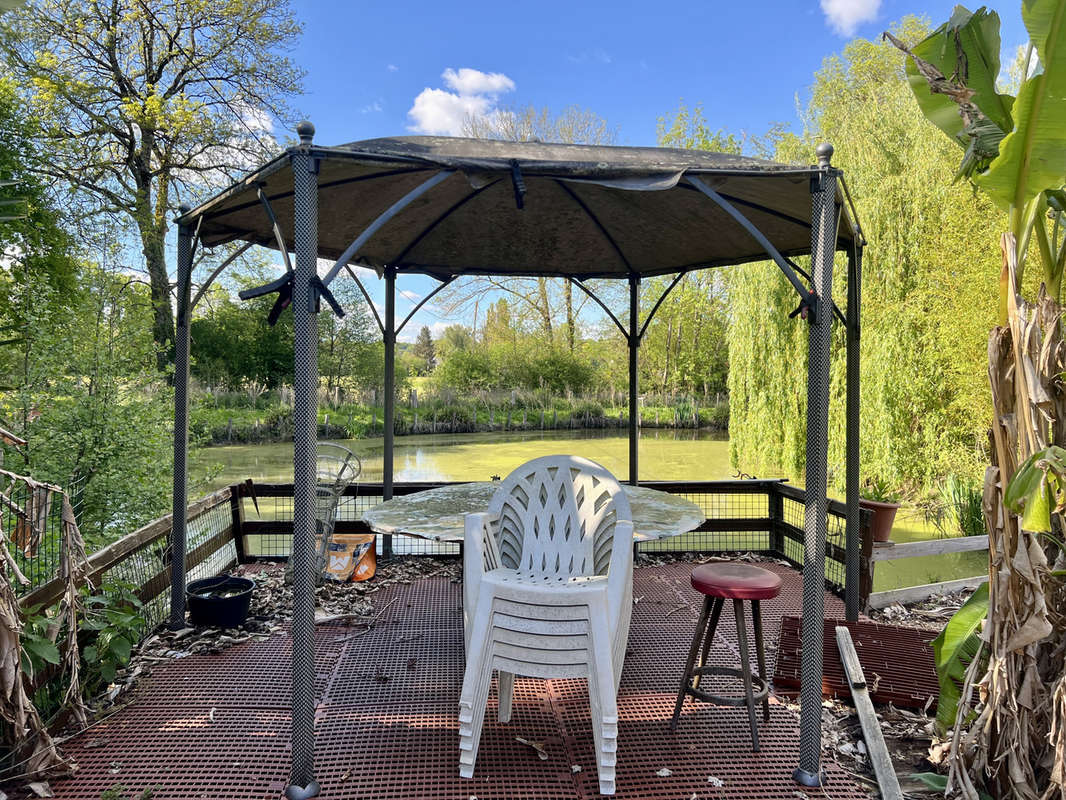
(574,220)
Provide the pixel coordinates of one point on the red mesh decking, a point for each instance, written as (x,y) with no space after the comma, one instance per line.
(218,726)
(897,660)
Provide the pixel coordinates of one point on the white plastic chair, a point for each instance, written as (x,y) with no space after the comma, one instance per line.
(547,593)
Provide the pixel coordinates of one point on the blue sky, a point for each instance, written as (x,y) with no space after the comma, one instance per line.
(385,69)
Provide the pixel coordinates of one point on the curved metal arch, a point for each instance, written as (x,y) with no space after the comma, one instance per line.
(278,237)
(218,271)
(659,302)
(421,303)
(601,304)
(384,217)
(806,295)
(596,221)
(366,296)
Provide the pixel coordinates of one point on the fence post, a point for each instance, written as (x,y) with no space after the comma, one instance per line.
(777,518)
(236,506)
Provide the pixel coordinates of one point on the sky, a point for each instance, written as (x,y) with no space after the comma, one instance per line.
(401,68)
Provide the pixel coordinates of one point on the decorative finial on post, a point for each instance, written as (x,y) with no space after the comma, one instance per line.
(824,151)
(306,132)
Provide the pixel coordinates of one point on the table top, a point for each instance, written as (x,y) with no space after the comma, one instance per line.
(440,514)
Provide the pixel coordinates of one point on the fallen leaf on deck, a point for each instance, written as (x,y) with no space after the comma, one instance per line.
(411,663)
(665,773)
(575,768)
(40,788)
(717,782)
(542,754)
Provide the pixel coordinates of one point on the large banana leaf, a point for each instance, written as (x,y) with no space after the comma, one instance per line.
(954,649)
(1032,158)
(953,76)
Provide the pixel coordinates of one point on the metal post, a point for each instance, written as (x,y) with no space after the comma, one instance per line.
(181,428)
(390,395)
(634,343)
(851,413)
(304,435)
(823,246)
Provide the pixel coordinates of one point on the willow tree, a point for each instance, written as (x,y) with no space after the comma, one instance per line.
(924,397)
(141,103)
(1012,740)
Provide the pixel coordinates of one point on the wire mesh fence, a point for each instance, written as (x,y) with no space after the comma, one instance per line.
(763,516)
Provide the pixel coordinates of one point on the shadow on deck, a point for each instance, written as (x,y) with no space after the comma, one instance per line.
(217,726)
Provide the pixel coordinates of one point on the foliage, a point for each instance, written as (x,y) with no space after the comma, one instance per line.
(38,647)
(117,792)
(688,128)
(958,510)
(114,614)
(954,650)
(1015,148)
(924,391)
(879,490)
(1038,489)
(424,351)
(87,398)
(140,103)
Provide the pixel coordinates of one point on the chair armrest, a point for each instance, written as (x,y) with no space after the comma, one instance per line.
(480,554)
(620,572)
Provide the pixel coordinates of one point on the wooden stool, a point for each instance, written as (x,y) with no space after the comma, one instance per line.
(738,582)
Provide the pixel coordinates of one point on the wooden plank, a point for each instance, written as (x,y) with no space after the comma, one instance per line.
(913,594)
(932,547)
(102,560)
(871,728)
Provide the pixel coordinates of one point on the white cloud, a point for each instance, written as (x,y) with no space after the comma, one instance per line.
(393,68)
(845,16)
(372,108)
(468,81)
(474,94)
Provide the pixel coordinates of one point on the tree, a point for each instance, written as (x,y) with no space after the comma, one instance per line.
(1013,739)
(423,350)
(142,103)
(689,129)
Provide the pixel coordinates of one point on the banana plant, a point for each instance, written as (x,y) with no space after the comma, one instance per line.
(1014,147)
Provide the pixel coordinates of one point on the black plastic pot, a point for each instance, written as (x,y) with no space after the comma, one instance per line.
(220,602)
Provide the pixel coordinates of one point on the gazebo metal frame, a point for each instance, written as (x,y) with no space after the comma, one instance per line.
(449,207)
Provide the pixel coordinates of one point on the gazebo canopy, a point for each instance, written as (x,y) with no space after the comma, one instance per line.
(573,222)
(446,207)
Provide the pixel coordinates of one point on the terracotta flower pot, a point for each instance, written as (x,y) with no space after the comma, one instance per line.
(884,514)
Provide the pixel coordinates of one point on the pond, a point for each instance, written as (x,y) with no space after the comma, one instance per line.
(664,455)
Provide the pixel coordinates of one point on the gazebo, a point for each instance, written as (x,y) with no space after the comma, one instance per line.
(448,207)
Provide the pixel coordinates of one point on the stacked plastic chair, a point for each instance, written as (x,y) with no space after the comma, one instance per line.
(337,468)
(548,585)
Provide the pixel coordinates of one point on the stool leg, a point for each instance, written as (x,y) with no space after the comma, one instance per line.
(745,669)
(760,651)
(716,613)
(691,660)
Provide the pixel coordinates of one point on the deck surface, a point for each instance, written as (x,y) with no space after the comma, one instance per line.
(217,726)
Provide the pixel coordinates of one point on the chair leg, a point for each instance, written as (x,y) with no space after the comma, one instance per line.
(474,696)
(745,670)
(760,650)
(603,705)
(708,641)
(692,651)
(505,686)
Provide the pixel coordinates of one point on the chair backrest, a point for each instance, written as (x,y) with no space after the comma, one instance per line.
(556,516)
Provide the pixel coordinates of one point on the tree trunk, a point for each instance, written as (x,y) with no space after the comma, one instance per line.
(1013,739)
(152,225)
(544,307)
(570,323)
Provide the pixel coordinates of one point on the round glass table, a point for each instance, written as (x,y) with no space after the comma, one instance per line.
(440,514)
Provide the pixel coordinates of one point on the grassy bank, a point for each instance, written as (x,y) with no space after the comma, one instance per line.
(271,421)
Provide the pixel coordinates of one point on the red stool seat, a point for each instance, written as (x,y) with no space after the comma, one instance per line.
(736,581)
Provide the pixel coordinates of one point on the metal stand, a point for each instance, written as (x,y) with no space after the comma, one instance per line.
(853,533)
